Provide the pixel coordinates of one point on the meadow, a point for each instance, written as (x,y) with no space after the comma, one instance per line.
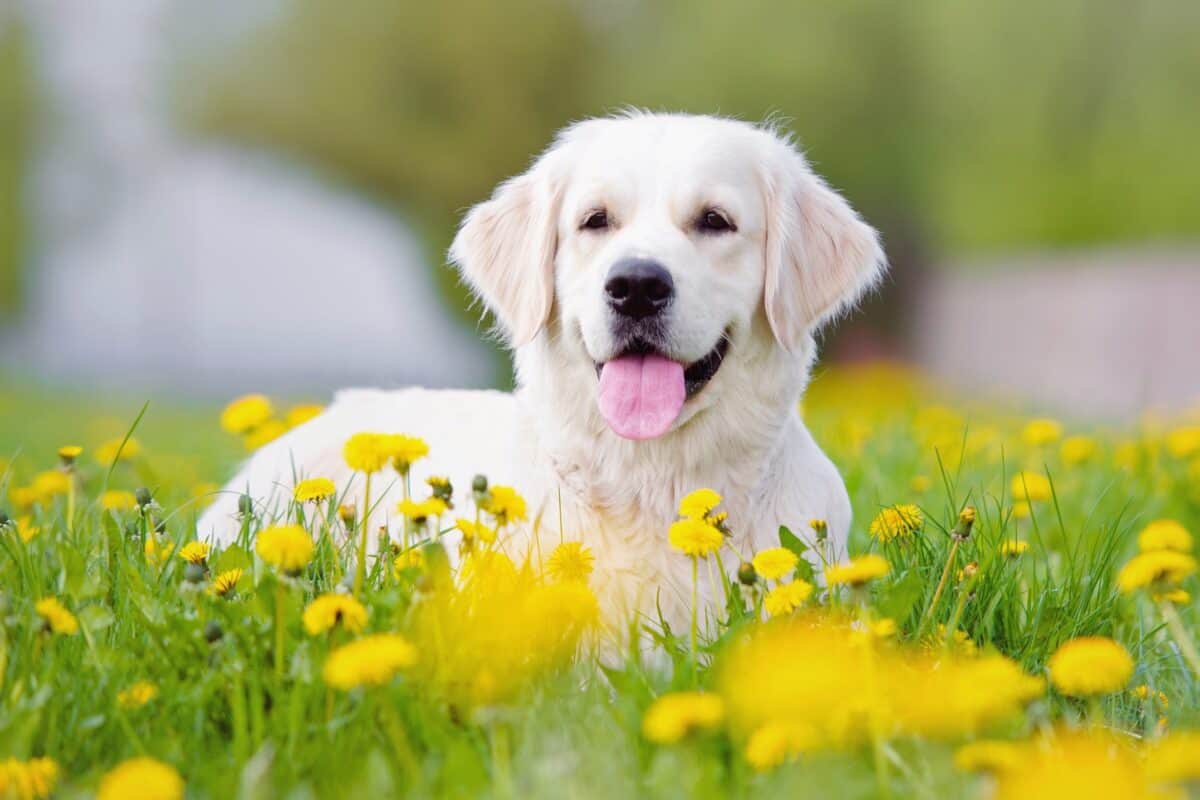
(1017,621)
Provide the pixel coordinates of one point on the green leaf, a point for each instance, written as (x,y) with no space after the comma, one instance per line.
(96,617)
(790,541)
(232,558)
(898,600)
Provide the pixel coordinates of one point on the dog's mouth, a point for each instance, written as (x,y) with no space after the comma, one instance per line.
(642,391)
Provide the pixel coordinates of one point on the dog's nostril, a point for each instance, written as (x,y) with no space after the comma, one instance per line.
(617,288)
(639,287)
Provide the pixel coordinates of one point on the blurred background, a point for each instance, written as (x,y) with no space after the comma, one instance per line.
(203,199)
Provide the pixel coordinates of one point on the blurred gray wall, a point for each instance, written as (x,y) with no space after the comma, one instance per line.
(1105,333)
(162,263)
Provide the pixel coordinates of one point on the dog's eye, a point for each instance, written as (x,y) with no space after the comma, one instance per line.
(713,221)
(595,221)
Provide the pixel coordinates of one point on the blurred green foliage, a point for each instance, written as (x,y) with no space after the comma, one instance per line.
(16,101)
(969,126)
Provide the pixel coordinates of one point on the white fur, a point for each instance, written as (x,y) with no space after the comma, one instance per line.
(799,256)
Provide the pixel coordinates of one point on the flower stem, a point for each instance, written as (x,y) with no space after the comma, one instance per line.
(695,610)
(360,572)
(1179,633)
(279,600)
(70,503)
(937,593)
(407,494)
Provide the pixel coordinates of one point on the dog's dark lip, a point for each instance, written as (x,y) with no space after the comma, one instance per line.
(696,375)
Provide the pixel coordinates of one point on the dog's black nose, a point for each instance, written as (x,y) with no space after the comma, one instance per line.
(638,287)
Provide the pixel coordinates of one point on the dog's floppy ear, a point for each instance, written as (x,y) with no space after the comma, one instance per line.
(505,250)
(820,255)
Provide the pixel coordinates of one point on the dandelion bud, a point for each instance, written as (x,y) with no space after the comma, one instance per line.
(143,497)
(245,505)
(348,513)
(194,573)
(820,528)
(213,632)
(479,484)
(160,525)
(966,520)
(4,518)
(442,488)
(746,574)
(968,572)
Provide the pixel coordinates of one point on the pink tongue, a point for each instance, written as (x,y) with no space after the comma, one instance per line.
(640,396)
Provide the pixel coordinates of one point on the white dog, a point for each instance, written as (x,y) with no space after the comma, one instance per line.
(659,278)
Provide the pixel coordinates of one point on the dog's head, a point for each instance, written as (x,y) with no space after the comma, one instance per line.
(655,241)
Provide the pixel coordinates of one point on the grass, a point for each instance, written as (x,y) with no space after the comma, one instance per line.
(499,706)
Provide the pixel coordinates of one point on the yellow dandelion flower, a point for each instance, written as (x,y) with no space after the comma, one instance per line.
(286,547)
(117,500)
(26,530)
(1178,597)
(329,610)
(367,452)
(28,780)
(777,742)
(505,504)
(421,510)
(56,616)
(141,778)
(775,562)
(1021,509)
(264,434)
(1090,666)
(112,451)
(1076,765)
(987,756)
(699,504)
(24,497)
(1165,534)
(570,561)
(1175,758)
(1156,569)
(1039,432)
(50,484)
(406,451)
(695,537)
(673,716)
(897,522)
(137,695)
(1183,442)
(787,597)
(1012,548)
(195,552)
(410,559)
(314,490)
(298,415)
(68,453)
(475,530)
(157,552)
(883,628)
(1077,450)
(225,582)
(1031,487)
(857,571)
(246,413)
(960,642)
(1145,693)
(370,661)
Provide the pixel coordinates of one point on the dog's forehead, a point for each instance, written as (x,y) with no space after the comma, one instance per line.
(643,155)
